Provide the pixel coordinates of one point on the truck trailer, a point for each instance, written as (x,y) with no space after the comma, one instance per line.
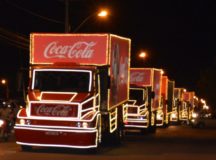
(78,84)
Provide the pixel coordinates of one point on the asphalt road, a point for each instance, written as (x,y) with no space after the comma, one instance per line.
(174,142)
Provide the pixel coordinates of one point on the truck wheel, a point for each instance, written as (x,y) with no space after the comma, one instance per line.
(26,148)
(118,136)
(201,125)
(152,129)
(99,138)
(1,132)
(5,137)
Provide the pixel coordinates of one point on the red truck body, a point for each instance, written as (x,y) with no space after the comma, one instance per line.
(188,97)
(148,77)
(142,107)
(180,101)
(78,84)
(167,96)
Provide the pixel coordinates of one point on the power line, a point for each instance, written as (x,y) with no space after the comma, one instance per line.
(14,39)
(16,35)
(16,45)
(33,13)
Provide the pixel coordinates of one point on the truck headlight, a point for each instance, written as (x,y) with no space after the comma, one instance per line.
(22,121)
(174,115)
(159,116)
(194,115)
(85,125)
(1,122)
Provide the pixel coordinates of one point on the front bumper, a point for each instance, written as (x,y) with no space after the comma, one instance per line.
(136,123)
(56,137)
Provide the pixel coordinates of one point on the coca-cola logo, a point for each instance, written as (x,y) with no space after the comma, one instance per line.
(76,50)
(55,111)
(137,77)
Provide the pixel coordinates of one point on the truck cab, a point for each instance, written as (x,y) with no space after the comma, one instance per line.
(143,110)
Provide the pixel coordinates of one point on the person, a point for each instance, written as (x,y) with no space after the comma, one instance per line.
(6,114)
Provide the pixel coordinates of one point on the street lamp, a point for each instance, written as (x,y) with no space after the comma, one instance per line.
(142,55)
(102,14)
(3,81)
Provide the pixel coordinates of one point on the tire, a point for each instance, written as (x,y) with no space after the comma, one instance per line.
(152,129)
(26,148)
(117,136)
(4,135)
(201,125)
(99,138)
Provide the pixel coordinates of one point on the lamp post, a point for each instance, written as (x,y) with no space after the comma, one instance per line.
(5,83)
(67,27)
(101,14)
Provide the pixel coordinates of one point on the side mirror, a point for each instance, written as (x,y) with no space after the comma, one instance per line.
(166,102)
(108,82)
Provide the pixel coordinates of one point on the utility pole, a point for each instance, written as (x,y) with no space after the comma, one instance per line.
(67,27)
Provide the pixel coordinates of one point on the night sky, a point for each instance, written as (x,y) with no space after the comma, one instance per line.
(178,35)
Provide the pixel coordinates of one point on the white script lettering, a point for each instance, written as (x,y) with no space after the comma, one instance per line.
(76,50)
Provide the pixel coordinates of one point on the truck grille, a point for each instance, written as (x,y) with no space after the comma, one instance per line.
(53,110)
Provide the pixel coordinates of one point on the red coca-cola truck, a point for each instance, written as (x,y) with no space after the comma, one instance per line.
(180,103)
(78,84)
(188,98)
(167,99)
(144,99)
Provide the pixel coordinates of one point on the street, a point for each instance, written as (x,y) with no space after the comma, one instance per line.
(174,142)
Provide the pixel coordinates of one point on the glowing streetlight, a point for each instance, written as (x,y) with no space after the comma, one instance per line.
(3,81)
(102,14)
(142,55)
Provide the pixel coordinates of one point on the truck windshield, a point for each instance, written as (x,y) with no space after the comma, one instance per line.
(62,80)
(138,94)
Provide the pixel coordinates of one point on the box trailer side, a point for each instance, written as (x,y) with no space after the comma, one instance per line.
(156,84)
(140,77)
(82,49)
(164,93)
(119,61)
(171,85)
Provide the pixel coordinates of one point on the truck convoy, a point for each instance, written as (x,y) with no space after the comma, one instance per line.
(78,84)
(144,99)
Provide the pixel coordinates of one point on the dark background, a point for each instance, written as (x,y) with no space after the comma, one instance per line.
(178,35)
